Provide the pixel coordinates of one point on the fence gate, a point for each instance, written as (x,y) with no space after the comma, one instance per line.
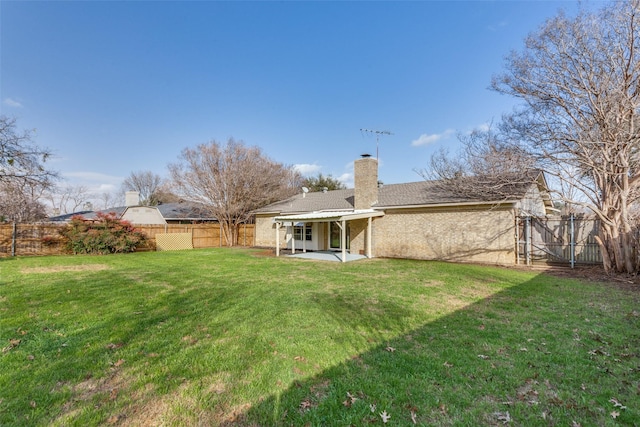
(565,240)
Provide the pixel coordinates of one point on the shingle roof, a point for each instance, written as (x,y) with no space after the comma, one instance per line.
(183,211)
(421,193)
(169,211)
(315,201)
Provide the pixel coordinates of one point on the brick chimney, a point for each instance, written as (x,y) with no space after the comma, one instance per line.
(365,171)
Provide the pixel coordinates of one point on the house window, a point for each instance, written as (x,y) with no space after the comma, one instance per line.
(297,233)
(334,236)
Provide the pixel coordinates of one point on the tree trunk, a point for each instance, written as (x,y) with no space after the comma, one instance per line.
(618,252)
(606,259)
(226,230)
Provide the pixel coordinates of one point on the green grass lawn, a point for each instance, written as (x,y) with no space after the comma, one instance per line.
(229,337)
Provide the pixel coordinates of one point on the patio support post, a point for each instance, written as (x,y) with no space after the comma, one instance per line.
(277,239)
(343,240)
(368,242)
(293,239)
(304,237)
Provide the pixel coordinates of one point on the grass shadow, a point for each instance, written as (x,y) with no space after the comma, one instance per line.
(523,356)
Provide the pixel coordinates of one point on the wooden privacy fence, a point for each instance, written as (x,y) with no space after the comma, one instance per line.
(44,239)
(566,240)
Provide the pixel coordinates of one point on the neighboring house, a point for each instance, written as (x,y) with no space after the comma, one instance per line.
(167,213)
(412,220)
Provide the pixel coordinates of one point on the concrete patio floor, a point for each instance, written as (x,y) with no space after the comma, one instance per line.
(326,256)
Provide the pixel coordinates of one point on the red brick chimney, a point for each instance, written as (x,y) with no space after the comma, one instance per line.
(365,171)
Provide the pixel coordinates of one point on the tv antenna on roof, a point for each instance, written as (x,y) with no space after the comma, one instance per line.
(377,133)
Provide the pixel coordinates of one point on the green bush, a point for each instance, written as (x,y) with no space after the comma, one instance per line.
(106,234)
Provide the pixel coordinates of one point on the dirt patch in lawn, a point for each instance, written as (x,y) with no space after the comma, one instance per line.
(64,268)
(591,273)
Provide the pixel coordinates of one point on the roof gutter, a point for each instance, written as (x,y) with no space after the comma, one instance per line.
(445,205)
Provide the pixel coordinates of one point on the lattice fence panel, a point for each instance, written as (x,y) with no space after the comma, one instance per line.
(174,241)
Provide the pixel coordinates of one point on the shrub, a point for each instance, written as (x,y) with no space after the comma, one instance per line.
(104,235)
(50,241)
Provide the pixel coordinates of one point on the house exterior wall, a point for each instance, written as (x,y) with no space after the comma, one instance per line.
(460,235)
(532,203)
(265,232)
(143,215)
(358,234)
(316,243)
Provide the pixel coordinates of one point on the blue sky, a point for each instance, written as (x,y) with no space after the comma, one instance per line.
(115,87)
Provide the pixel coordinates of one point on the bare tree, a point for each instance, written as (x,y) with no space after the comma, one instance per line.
(21,202)
(167,194)
(231,181)
(579,80)
(20,159)
(146,183)
(486,168)
(106,200)
(69,198)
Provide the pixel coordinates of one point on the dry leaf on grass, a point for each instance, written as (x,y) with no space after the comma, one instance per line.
(13,343)
(505,417)
(305,405)
(617,404)
(112,346)
(351,399)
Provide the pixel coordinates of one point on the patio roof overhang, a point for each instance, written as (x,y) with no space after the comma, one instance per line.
(329,216)
(339,217)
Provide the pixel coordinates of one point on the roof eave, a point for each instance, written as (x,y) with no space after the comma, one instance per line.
(446,205)
(323,217)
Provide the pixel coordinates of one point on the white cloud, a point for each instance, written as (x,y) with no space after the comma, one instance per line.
(12,103)
(307,169)
(498,26)
(92,176)
(347,179)
(484,127)
(425,139)
(97,183)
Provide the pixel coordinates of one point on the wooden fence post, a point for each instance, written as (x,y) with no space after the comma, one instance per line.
(14,236)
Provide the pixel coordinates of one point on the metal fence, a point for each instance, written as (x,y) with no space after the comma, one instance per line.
(566,240)
(44,239)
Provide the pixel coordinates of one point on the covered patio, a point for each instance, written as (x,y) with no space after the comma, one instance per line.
(327,256)
(340,218)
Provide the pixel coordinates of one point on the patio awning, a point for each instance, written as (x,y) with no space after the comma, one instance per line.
(328,216)
(339,217)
